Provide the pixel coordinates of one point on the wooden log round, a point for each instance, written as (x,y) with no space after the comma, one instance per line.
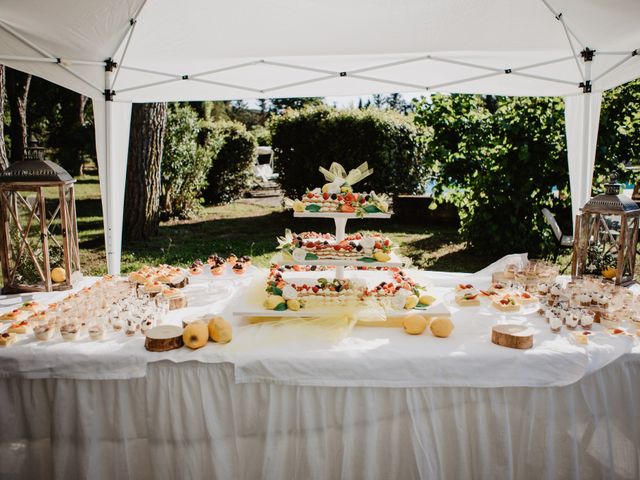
(163,338)
(512,336)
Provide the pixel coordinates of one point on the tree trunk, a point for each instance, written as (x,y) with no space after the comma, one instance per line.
(4,161)
(142,197)
(18,93)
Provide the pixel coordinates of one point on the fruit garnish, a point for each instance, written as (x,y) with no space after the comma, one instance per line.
(617,331)
(469,296)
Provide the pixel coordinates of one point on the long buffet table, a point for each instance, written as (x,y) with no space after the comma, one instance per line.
(375,404)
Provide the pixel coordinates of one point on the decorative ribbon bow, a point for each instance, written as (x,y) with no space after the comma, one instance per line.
(338,176)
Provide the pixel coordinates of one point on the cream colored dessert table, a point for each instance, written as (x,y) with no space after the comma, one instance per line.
(376,404)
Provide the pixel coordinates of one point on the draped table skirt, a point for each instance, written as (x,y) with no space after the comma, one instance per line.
(191,420)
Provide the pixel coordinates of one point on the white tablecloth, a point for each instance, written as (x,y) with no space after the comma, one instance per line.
(191,420)
(316,410)
(370,357)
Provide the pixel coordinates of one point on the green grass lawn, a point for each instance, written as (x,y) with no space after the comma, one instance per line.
(250,227)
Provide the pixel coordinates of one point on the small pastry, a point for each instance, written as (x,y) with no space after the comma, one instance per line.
(20,327)
(468,300)
(16,315)
(581,338)
(195,270)
(525,298)
(217,270)
(245,260)
(32,306)
(176,298)
(238,268)
(7,339)
(507,304)
(211,260)
(232,259)
(464,287)
(153,288)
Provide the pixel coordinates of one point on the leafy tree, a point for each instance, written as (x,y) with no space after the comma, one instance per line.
(304,140)
(185,162)
(497,168)
(230,174)
(619,132)
(279,105)
(17,84)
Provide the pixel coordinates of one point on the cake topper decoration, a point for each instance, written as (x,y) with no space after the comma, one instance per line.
(341,181)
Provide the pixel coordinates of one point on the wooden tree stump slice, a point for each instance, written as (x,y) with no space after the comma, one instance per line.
(163,338)
(512,336)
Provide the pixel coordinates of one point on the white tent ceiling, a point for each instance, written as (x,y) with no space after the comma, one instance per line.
(272,48)
(165,50)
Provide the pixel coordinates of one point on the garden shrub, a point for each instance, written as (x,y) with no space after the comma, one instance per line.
(304,140)
(497,160)
(230,175)
(185,162)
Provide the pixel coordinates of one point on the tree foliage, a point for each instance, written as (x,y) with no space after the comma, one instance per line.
(307,139)
(619,132)
(497,160)
(185,162)
(230,174)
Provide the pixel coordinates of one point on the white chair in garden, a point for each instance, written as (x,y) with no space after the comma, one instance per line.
(562,241)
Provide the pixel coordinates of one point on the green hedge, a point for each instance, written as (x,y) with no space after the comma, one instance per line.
(231,174)
(304,140)
(185,163)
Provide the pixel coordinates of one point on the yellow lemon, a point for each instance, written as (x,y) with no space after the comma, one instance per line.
(58,275)
(196,335)
(293,304)
(382,256)
(411,302)
(609,272)
(414,324)
(220,330)
(326,187)
(441,327)
(427,299)
(298,206)
(273,301)
(346,189)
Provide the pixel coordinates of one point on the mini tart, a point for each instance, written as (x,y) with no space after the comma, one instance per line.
(238,268)
(19,327)
(16,315)
(176,298)
(195,270)
(137,277)
(217,270)
(153,288)
(7,339)
(31,307)
(246,260)
(464,287)
(525,298)
(231,259)
(582,338)
(468,299)
(506,303)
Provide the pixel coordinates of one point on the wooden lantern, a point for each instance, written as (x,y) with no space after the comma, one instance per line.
(606,236)
(38,229)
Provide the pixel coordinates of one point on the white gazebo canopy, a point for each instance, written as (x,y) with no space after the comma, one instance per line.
(123,51)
